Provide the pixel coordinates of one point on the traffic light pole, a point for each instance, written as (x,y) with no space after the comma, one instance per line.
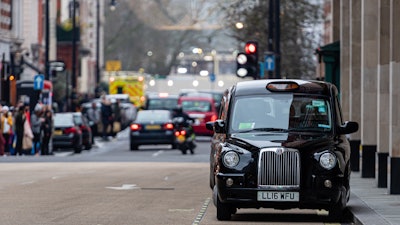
(270,31)
(274,36)
(98,43)
(277,38)
(47,73)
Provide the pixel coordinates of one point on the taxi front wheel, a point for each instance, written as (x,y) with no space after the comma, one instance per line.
(224,211)
(337,211)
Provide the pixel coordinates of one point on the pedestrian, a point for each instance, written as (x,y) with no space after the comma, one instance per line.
(2,141)
(47,129)
(20,119)
(6,127)
(93,115)
(36,125)
(116,125)
(106,116)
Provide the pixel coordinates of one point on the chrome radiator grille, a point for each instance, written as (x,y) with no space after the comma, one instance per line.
(279,168)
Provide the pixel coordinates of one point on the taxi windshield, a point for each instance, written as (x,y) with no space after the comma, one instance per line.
(281,113)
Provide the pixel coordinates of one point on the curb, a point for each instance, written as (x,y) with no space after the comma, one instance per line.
(362,214)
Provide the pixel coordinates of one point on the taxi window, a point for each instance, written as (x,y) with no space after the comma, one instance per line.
(281,111)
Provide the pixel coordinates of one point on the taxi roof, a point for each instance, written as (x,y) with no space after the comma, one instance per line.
(305,86)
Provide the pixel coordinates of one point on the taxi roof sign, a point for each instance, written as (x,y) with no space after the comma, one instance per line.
(282,86)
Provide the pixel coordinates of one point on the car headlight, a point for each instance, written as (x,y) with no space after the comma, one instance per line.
(231,159)
(327,160)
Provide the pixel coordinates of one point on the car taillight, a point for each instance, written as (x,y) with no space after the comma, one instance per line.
(213,118)
(135,127)
(71,130)
(182,132)
(168,126)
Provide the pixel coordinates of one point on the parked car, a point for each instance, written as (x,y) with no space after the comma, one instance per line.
(152,127)
(202,109)
(161,101)
(83,124)
(67,134)
(280,144)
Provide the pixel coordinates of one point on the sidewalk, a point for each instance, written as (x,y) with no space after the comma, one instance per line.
(371,205)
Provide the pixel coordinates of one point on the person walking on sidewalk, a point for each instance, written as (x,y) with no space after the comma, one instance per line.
(93,115)
(106,116)
(20,118)
(47,128)
(6,127)
(36,124)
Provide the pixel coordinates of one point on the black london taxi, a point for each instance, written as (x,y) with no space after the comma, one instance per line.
(280,143)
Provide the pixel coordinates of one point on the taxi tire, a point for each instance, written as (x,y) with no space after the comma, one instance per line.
(337,211)
(224,211)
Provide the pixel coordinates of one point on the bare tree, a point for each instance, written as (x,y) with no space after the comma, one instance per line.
(300,23)
(149,34)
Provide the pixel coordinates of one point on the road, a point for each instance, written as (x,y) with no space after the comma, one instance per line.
(112,185)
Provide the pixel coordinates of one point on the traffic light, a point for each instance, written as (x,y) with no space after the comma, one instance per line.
(241,60)
(247,62)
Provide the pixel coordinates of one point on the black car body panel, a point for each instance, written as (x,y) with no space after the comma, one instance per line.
(152,127)
(280,144)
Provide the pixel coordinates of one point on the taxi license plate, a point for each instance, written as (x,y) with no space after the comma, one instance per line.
(57,132)
(153,127)
(278,196)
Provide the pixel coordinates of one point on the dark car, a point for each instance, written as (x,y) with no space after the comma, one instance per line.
(83,124)
(67,134)
(152,127)
(161,101)
(280,144)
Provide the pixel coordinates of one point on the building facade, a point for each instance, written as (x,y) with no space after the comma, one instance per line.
(24,44)
(369,36)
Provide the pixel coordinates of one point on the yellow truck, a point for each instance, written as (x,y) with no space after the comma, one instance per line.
(132,85)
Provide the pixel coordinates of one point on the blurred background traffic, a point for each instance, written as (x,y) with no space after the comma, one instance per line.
(65,55)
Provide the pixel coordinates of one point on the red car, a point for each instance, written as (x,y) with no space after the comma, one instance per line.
(202,109)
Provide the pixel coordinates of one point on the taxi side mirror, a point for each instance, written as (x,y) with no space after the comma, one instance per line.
(348,127)
(217,126)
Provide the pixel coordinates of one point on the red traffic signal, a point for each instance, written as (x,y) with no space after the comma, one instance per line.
(251,47)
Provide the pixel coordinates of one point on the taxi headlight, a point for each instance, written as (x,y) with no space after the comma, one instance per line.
(231,159)
(328,160)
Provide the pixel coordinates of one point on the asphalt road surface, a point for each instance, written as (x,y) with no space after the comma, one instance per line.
(111,185)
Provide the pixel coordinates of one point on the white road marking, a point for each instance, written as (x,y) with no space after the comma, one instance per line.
(180,210)
(125,187)
(28,182)
(157,153)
